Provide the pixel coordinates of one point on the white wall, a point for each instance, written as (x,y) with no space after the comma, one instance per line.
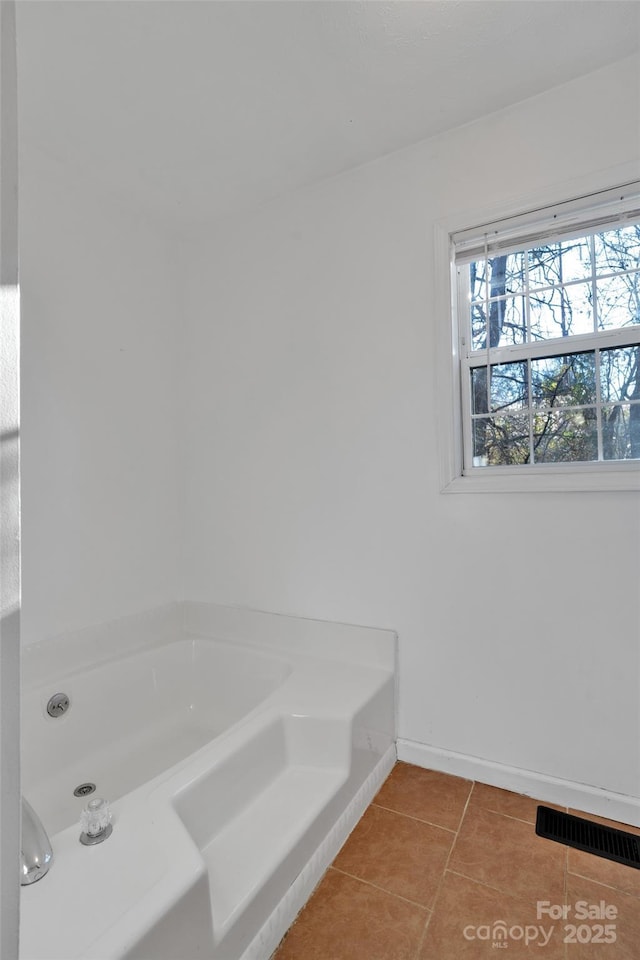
(100,390)
(311,463)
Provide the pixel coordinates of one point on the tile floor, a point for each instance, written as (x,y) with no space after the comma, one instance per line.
(436,862)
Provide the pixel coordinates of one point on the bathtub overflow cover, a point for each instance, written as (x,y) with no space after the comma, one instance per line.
(84,789)
(58,704)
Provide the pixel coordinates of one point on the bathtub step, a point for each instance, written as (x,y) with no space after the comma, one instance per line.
(243,857)
(260,812)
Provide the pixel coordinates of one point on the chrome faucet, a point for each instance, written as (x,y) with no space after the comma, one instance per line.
(37,855)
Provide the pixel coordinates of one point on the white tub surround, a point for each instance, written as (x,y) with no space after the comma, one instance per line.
(238,749)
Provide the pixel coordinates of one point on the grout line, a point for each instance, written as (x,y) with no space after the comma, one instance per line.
(444,872)
(490,886)
(509,816)
(601,883)
(398,896)
(466,807)
(400,813)
(423,934)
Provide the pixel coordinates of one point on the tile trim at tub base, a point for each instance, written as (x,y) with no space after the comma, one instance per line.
(566,793)
(270,935)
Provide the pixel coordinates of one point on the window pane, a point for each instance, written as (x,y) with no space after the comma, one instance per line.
(620,373)
(478,326)
(562,262)
(565,436)
(507,322)
(499,441)
(617,250)
(618,301)
(561,311)
(515,272)
(564,381)
(478,280)
(505,275)
(479,396)
(509,386)
(621,432)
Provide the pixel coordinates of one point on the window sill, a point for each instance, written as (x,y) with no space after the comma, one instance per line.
(618,478)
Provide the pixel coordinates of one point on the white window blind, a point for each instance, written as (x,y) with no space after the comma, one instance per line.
(561,221)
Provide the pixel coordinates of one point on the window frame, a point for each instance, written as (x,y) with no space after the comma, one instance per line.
(453,367)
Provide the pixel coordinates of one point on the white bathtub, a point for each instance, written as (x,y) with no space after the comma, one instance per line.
(238,750)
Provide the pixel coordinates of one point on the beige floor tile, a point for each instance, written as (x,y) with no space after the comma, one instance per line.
(350,920)
(625,928)
(472,922)
(397,853)
(506,854)
(505,802)
(425,794)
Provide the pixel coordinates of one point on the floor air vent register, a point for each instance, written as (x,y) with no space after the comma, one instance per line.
(617,845)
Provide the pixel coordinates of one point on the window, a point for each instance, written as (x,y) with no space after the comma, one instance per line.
(548,328)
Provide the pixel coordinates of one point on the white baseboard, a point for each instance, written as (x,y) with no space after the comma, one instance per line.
(566,793)
(268,938)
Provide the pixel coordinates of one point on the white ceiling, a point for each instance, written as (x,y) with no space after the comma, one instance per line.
(197,109)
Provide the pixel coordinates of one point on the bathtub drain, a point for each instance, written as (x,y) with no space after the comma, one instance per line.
(84,789)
